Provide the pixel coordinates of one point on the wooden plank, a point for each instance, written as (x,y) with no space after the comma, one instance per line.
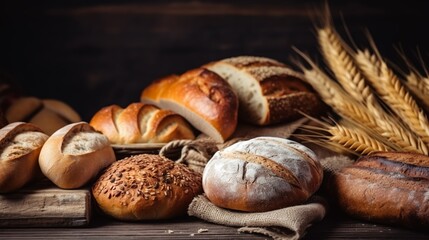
(45,206)
(335,226)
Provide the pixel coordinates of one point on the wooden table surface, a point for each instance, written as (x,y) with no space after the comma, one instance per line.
(334,226)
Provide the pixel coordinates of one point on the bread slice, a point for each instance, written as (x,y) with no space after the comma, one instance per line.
(202,97)
(268,91)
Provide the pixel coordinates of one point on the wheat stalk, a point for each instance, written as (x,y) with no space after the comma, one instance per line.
(390,89)
(356,139)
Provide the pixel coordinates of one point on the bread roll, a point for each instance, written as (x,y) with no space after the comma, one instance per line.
(262,174)
(140,123)
(145,187)
(48,114)
(202,97)
(385,187)
(74,155)
(20,145)
(268,91)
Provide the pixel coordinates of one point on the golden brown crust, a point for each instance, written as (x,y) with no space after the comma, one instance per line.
(140,123)
(74,170)
(379,189)
(202,97)
(18,164)
(103,121)
(146,187)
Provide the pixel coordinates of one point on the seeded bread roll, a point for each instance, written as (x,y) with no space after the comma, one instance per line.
(202,97)
(140,123)
(146,187)
(74,155)
(268,91)
(385,187)
(48,114)
(262,174)
(20,145)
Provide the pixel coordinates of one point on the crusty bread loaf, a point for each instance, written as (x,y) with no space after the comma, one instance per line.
(20,145)
(385,187)
(262,174)
(74,155)
(202,97)
(145,187)
(48,114)
(140,123)
(268,91)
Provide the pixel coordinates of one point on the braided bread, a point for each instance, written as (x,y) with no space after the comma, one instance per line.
(140,123)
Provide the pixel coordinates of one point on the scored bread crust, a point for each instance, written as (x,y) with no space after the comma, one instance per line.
(200,96)
(146,187)
(269,92)
(385,187)
(140,123)
(262,174)
(77,166)
(19,160)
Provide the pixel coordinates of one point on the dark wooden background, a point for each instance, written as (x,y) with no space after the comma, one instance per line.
(94,53)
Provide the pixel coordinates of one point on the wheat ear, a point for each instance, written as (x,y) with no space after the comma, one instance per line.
(334,50)
(416,82)
(419,86)
(390,89)
(356,139)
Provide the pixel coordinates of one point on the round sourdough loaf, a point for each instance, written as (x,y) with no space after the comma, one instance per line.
(262,174)
(385,187)
(201,96)
(268,91)
(146,187)
(20,145)
(74,155)
(140,123)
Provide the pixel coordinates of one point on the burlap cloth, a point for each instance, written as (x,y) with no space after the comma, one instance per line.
(287,223)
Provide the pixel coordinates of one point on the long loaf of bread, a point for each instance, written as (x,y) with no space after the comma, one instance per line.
(385,187)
